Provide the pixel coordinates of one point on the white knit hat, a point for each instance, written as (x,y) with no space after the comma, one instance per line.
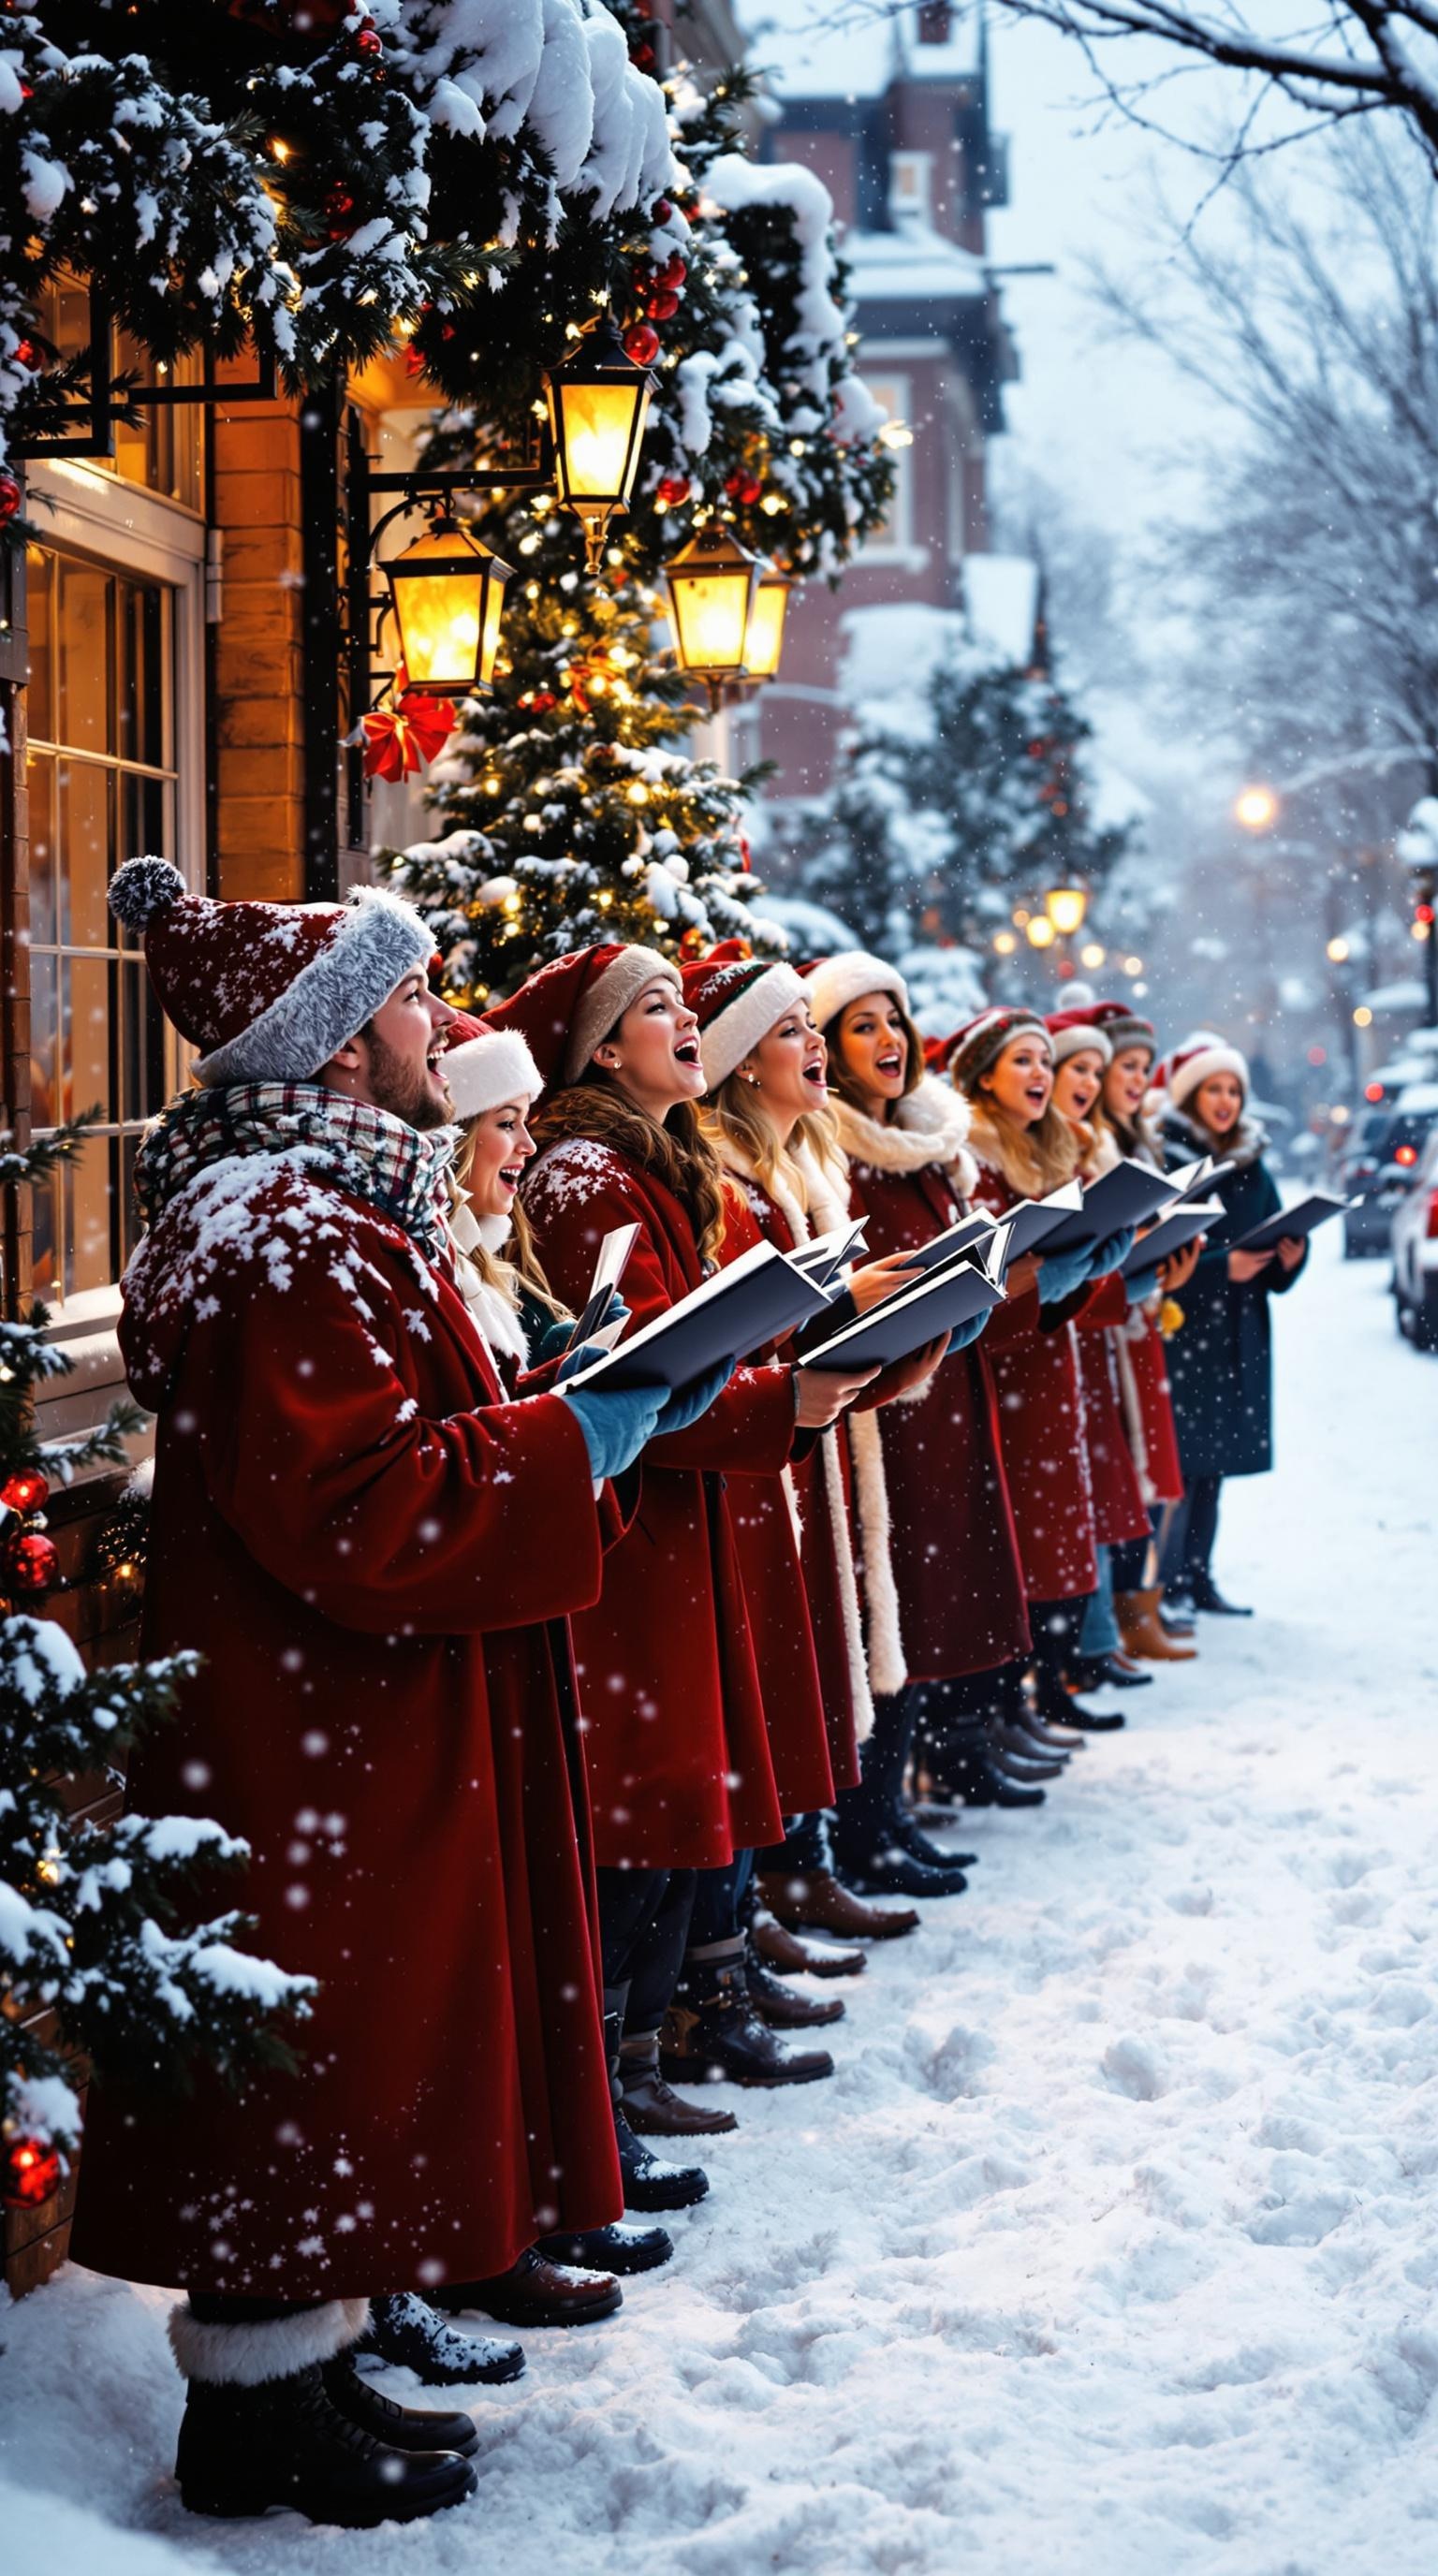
(837,981)
(485,1066)
(1196,1062)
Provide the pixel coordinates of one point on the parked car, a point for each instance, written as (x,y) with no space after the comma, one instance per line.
(1379,1166)
(1415,1253)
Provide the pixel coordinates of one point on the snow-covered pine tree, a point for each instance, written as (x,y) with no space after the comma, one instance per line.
(92,1930)
(570,806)
(934,830)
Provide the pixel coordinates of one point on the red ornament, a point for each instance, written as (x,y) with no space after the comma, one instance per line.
(541,700)
(369,42)
(660,211)
(663,306)
(26,354)
(32,2173)
(745,860)
(398,738)
(750,491)
(693,944)
(339,212)
(34,1563)
(641,343)
(672,491)
(675,270)
(10,498)
(25,1491)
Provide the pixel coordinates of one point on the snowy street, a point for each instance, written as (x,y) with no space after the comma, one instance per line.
(1110,2250)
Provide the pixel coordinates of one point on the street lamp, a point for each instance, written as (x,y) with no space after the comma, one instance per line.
(1040,930)
(1066,906)
(711,584)
(598,405)
(447,592)
(764,635)
(1255,808)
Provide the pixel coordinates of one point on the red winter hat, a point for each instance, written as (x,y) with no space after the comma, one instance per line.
(1195,1062)
(736,1000)
(267,991)
(568,1009)
(1070,1032)
(485,1066)
(978,1045)
(1122,1027)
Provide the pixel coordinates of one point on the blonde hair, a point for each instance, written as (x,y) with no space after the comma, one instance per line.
(732,1115)
(520,1274)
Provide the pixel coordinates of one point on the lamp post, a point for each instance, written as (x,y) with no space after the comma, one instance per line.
(712,584)
(598,406)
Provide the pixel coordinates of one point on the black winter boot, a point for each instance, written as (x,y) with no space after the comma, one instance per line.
(405,2428)
(405,2331)
(619,2247)
(1205,1595)
(286,2442)
(969,1768)
(650,2181)
(1056,1627)
(712,2032)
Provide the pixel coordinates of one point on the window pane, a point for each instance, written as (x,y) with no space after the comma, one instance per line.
(142,1050)
(145,829)
(40,778)
(85,1008)
(39,610)
(85,842)
(84,630)
(44,1242)
(44,1038)
(140,732)
(86,1199)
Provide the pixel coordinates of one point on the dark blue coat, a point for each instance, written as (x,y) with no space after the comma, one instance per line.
(1220,1366)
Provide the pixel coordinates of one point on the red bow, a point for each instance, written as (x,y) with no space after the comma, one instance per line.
(399,737)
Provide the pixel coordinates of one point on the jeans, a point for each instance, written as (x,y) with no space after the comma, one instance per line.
(643,1929)
(719,1903)
(1099,1632)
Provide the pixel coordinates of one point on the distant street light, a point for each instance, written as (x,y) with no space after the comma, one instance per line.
(1256,808)
(1091,955)
(1004,943)
(1040,930)
(1339,952)
(1066,906)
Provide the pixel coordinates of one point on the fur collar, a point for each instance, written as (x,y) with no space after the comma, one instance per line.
(1244,1146)
(930,1126)
(827,1207)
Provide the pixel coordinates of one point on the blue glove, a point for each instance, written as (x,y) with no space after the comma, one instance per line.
(1111,1253)
(616,1424)
(1062,1273)
(1144,1286)
(579,1359)
(963,1334)
(687,1403)
(554,1340)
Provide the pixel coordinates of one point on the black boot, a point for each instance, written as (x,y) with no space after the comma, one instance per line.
(650,2181)
(1095,1672)
(286,2442)
(910,1837)
(893,1871)
(405,2428)
(616,2248)
(1056,1627)
(405,2332)
(1204,1593)
(1013,1749)
(970,1769)
(712,2032)
(784,2007)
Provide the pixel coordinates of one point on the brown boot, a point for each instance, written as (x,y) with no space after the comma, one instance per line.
(1144,1633)
(785,1955)
(650,2104)
(534,2292)
(784,2007)
(814,1901)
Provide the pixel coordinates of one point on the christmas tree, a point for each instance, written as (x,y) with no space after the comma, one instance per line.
(936,826)
(91,1926)
(570,807)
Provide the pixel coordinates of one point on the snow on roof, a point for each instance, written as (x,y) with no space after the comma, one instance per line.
(890,653)
(913,262)
(810,49)
(1001,593)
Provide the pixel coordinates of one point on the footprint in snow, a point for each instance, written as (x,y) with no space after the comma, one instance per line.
(1137,2068)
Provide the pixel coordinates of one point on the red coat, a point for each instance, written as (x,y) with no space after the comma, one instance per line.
(373,1554)
(678,1755)
(1119,1509)
(953,1543)
(1141,1357)
(778,1581)
(1042,1424)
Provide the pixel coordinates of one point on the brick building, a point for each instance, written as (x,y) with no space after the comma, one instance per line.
(892,113)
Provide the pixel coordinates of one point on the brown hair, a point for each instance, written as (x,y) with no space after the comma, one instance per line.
(842,1080)
(678,1153)
(1033,1159)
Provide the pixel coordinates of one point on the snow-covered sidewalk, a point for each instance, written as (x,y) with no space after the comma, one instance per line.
(1109,2251)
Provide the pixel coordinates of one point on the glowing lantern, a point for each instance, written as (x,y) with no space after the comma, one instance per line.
(448,596)
(711,584)
(764,636)
(1066,906)
(598,405)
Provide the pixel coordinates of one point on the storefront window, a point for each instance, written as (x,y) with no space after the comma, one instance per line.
(162,450)
(102,782)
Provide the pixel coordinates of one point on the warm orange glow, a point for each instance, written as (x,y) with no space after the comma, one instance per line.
(1066,906)
(1256,808)
(711,584)
(598,406)
(764,637)
(1040,930)
(448,599)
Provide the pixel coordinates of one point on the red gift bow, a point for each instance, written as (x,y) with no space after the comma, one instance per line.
(399,737)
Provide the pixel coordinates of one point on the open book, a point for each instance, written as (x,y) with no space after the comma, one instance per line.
(1299,1220)
(1173,1233)
(762,1297)
(1128,1195)
(948,1294)
(591,1325)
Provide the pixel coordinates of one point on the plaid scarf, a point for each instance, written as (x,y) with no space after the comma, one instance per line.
(366,1151)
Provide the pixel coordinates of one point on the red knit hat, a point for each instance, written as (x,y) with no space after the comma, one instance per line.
(485,1066)
(978,1045)
(736,999)
(1122,1026)
(267,991)
(1071,1032)
(568,1009)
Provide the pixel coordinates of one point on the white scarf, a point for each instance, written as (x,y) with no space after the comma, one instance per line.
(930,1126)
(827,1208)
(496,1319)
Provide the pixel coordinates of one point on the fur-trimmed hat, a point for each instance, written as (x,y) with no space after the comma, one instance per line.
(977,1046)
(267,991)
(568,1009)
(736,1000)
(484,1066)
(1194,1063)
(835,982)
(1122,1026)
(1071,1032)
